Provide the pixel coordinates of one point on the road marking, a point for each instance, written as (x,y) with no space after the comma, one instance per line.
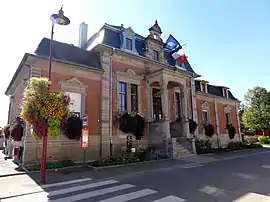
(44,195)
(81,187)
(253,197)
(90,190)
(65,183)
(170,199)
(265,166)
(246,176)
(212,190)
(193,166)
(91,194)
(130,196)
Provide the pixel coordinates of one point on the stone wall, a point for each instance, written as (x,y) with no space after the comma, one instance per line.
(62,148)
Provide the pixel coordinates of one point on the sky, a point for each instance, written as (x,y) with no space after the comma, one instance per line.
(227,41)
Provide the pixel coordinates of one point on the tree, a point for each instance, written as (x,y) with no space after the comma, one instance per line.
(241,110)
(256,113)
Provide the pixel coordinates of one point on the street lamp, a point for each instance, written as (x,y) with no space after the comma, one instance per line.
(59,19)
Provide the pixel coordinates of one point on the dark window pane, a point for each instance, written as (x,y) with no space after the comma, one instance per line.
(155,55)
(134,97)
(205,116)
(128,44)
(122,97)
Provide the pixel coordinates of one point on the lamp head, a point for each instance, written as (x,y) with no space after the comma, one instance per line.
(59,18)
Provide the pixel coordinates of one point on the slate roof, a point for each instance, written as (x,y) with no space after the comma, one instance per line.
(112,37)
(69,53)
(214,90)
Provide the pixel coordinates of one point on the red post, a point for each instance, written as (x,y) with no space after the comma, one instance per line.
(45,137)
(43,160)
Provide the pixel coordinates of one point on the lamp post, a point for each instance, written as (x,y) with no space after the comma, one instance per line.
(59,19)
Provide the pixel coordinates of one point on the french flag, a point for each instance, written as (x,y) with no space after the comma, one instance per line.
(179,56)
(176,50)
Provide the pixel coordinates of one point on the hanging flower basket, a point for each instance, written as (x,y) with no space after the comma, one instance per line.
(72,127)
(42,109)
(192,126)
(132,123)
(209,129)
(231,131)
(16,129)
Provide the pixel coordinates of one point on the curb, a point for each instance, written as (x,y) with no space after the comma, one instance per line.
(240,150)
(54,169)
(13,174)
(130,164)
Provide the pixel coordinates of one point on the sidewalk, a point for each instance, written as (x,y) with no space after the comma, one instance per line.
(7,167)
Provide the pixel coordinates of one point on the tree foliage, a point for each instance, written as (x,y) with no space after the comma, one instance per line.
(256,113)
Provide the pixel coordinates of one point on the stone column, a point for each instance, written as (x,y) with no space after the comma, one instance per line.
(149,100)
(183,90)
(217,123)
(105,104)
(216,115)
(194,112)
(165,108)
(238,122)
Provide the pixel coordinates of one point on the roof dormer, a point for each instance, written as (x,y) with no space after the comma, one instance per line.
(225,91)
(155,32)
(203,85)
(154,43)
(128,40)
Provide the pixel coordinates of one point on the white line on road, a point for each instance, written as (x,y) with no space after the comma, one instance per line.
(65,183)
(170,199)
(130,196)
(91,194)
(265,166)
(193,166)
(46,195)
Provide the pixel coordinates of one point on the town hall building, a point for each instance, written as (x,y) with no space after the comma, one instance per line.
(117,70)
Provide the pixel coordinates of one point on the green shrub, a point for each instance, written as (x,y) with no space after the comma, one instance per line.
(52,165)
(264,139)
(231,131)
(129,158)
(235,145)
(125,158)
(251,139)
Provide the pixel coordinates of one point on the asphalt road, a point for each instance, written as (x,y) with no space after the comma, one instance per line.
(241,176)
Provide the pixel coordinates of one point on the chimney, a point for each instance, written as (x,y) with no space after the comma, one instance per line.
(83,35)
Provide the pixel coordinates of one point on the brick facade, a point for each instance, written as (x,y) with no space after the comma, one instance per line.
(181,97)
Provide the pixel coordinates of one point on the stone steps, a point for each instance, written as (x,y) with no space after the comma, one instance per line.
(179,151)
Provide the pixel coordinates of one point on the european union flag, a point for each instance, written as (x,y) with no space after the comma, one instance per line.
(172,44)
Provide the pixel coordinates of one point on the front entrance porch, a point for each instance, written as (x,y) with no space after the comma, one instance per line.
(167,110)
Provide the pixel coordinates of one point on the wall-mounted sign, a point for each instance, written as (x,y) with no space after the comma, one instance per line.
(75,104)
(85,138)
(85,121)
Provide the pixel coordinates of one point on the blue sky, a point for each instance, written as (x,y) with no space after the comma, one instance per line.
(227,41)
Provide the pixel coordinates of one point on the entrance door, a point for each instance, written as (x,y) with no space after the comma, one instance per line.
(157,104)
(178,106)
